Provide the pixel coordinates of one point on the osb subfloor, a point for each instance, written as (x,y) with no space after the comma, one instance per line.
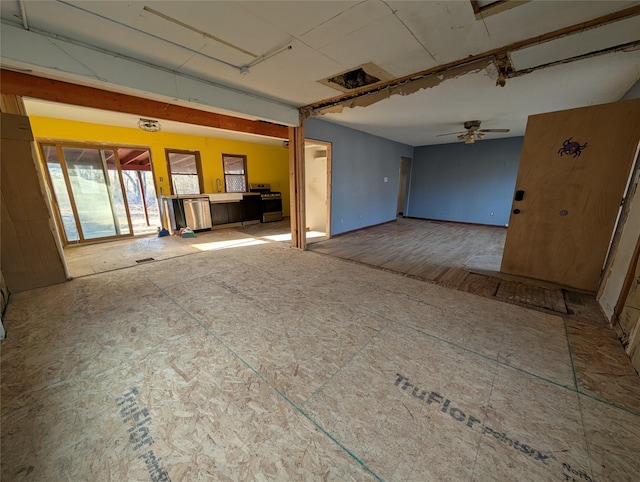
(260,362)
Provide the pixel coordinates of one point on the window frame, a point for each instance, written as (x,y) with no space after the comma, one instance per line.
(245,174)
(198,160)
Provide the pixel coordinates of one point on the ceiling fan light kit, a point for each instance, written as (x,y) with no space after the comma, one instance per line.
(473,132)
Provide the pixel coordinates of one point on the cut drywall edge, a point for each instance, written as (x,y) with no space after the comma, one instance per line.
(405,88)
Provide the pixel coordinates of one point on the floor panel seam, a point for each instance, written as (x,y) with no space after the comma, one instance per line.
(365,345)
(486,357)
(573,366)
(282,395)
(521,370)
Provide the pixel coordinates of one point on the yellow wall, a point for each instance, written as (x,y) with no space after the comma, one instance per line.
(265,163)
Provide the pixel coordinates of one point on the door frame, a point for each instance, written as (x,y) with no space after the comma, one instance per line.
(619,288)
(403,190)
(328,146)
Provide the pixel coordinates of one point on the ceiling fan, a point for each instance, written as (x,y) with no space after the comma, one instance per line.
(473,132)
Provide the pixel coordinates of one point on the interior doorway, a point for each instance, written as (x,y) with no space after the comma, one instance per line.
(317,165)
(403,186)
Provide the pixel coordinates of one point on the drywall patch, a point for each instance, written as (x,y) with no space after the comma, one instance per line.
(139,435)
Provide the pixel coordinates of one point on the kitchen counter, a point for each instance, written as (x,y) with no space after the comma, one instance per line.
(184,196)
(225,208)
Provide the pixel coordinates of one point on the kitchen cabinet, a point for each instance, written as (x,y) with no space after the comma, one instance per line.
(226,213)
(219,213)
(235,212)
(249,208)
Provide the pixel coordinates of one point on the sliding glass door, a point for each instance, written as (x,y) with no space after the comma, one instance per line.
(58,182)
(97,191)
(87,183)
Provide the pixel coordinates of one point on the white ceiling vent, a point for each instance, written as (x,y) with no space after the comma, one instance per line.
(362,76)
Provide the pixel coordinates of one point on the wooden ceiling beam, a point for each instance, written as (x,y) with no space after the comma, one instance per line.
(26,85)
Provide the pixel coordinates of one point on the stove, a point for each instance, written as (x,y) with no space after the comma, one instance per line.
(271,202)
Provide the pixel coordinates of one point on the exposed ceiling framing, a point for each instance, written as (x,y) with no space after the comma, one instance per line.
(411,83)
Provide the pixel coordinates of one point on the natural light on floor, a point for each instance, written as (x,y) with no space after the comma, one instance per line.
(232,243)
(287,236)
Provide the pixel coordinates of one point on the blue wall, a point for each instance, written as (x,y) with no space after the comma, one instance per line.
(465,182)
(359,164)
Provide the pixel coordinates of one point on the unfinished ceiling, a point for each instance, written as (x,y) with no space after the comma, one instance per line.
(264,59)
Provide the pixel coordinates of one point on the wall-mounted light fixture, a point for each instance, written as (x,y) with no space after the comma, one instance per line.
(149,125)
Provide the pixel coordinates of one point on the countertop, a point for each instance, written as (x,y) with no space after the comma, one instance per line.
(196,196)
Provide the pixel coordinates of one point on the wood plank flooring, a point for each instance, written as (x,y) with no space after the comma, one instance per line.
(464,257)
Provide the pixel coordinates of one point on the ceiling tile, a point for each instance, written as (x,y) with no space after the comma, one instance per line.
(297,18)
(381,43)
(344,24)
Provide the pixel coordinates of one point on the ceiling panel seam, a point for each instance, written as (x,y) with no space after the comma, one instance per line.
(395,14)
(344,100)
(52,38)
(89,12)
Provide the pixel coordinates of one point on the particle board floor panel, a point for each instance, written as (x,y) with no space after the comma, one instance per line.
(261,362)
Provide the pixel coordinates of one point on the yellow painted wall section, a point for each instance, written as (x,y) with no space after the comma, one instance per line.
(265,163)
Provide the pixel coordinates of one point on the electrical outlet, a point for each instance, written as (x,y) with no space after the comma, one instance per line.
(386,179)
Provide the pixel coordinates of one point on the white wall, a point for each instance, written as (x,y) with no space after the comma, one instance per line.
(316,189)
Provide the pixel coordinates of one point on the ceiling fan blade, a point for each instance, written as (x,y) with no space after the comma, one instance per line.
(494,130)
(463,136)
(451,133)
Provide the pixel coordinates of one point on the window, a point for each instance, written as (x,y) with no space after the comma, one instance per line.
(185,172)
(235,172)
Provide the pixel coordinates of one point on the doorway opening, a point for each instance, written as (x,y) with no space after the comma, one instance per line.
(101,193)
(403,186)
(317,175)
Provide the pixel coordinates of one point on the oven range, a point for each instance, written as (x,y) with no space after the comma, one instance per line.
(271,202)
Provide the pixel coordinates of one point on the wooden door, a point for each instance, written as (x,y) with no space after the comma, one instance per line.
(561,228)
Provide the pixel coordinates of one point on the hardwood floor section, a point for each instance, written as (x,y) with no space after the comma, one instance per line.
(460,256)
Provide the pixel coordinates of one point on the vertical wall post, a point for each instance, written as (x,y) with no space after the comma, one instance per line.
(296,181)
